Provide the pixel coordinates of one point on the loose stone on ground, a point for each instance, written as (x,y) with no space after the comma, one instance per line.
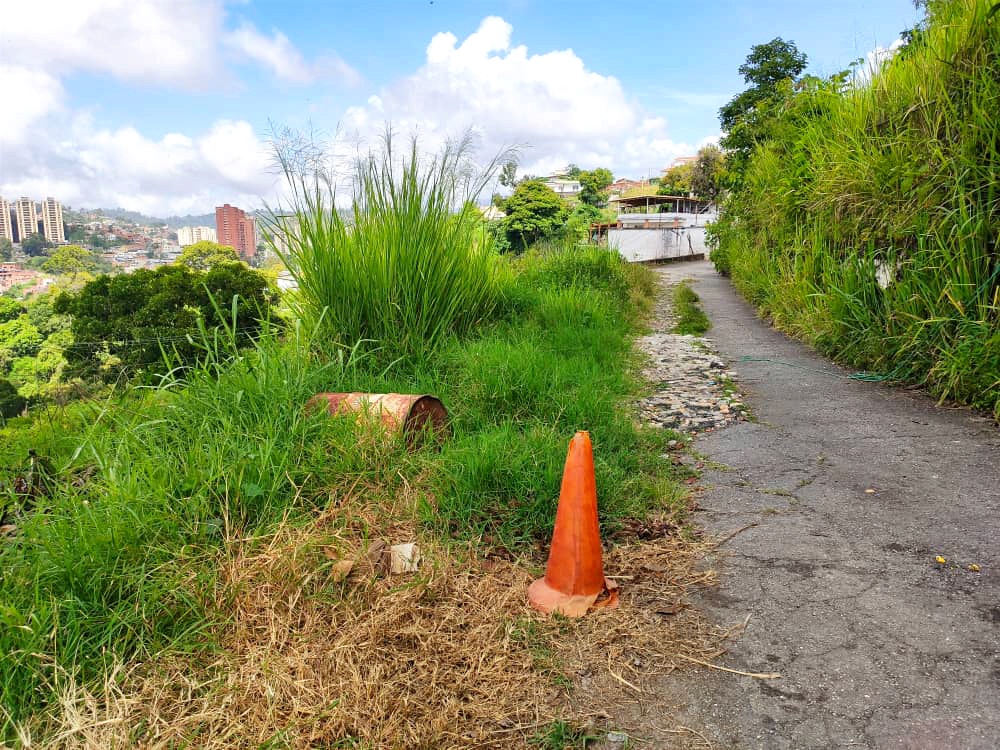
(693,390)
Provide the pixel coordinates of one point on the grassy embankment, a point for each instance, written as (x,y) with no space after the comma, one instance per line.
(895,178)
(173,577)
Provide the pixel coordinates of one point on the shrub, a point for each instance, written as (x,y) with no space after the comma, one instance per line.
(868,223)
(144,323)
(412,265)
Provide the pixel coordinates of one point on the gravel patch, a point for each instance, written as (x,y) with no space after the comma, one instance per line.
(693,389)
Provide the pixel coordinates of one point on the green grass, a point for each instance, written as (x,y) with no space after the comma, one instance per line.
(562,735)
(406,270)
(898,175)
(691,319)
(118,562)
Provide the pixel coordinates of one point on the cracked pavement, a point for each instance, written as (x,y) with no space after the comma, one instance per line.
(878,645)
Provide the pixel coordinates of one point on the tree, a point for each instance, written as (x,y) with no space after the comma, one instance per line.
(594,186)
(534,211)
(11,402)
(744,117)
(35,244)
(70,260)
(204,255)
(10,309)
(677,180)
(508,174)
(706,172)
(6,249)
(18,338)
(140,315)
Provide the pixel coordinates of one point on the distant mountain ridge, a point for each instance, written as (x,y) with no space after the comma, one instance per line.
(190,220)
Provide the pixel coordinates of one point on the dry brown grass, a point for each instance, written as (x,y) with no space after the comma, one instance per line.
(451,657)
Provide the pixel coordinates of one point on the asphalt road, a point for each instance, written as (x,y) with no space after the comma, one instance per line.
(878,645)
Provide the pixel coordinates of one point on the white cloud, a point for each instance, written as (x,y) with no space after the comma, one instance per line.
(279,55)
(874,61)
(550,102)
(48,149)
(167,42)
(32,95)
(85,165)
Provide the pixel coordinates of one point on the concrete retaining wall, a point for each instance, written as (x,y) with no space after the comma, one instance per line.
(638,245)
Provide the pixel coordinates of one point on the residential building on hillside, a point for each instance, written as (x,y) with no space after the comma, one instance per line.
(52,221)
(563,186)
(234,228)
(6,221)
(27,218)
(190,235)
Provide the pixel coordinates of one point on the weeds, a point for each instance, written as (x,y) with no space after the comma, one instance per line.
(691,319)
(869,225)
(406,270)
(125,564)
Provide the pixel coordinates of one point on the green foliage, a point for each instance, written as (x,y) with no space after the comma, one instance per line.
(691,319)
(18,338)
(534,212)
(406,271)
(10,309)
(204,255)
(11,402)
(508,174)
(676,180)
(707,173)
(768,68)
(148,484)
(6,249)
(867,224)
(561,735)
(149,320)
(35,244)
(70,260)
(594,186)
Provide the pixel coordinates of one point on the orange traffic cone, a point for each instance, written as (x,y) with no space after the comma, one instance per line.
(574,578)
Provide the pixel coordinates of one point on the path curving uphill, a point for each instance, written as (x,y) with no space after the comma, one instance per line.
(847,492)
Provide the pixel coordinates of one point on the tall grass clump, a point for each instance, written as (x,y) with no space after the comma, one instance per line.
(411,262)
(868,224)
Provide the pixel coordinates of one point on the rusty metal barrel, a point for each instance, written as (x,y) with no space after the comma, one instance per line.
(412,416)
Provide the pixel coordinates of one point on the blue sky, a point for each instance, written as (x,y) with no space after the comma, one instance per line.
(163,105)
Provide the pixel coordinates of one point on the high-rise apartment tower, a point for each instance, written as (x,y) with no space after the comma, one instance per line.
(52,221)
(234,228)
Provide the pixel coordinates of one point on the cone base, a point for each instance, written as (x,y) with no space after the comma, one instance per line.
(546,599)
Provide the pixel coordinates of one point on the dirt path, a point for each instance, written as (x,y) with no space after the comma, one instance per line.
(878,645)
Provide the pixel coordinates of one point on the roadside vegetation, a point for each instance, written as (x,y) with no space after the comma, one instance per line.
(864,212)
(691,319)
(175,565)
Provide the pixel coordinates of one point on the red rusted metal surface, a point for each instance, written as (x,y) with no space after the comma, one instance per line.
(409,415)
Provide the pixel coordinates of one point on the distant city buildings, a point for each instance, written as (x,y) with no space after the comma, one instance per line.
(27,218)
(52,221)
(564,187)
(234,228)
(190,235)
(24,217)
(6,221)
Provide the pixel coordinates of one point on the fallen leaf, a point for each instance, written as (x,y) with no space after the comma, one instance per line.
(940,560)
(869,491)
(341,570)
(973,567)
(377,557)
